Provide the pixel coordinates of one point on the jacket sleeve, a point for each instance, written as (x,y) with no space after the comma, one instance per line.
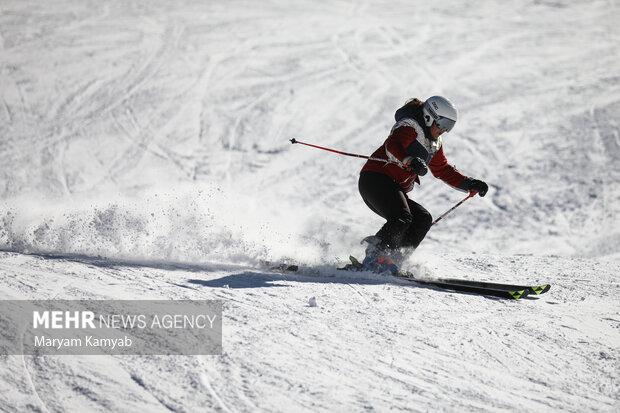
(441,169)
(398,141)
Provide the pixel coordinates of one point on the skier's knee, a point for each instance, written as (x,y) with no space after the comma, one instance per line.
(425,221)
(404,219)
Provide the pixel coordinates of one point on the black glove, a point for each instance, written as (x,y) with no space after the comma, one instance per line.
(416,165)
(471,184)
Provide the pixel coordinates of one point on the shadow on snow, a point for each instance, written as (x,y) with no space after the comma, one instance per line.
(248,278)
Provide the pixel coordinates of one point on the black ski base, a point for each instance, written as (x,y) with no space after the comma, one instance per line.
(508,291)
(511,291)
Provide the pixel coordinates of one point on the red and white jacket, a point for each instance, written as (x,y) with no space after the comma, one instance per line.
(407,139)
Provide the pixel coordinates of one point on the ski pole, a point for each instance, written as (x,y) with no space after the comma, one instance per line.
(347,153)
(471,194)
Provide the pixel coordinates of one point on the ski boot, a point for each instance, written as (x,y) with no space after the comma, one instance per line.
(378,259)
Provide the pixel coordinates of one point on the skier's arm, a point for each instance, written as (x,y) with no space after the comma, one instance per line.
(441,169)
(399,139)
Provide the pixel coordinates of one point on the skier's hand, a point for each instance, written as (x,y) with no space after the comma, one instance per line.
(416,165)
(475,185)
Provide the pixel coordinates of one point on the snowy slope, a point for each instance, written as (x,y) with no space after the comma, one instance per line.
(371,343)
(144,154)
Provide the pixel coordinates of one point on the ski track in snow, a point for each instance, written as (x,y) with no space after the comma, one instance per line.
(144,154)
(372,341)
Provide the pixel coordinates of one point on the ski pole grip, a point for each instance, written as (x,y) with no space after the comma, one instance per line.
(293,140)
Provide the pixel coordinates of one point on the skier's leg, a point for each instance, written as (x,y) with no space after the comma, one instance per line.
(382,195)
(421,223)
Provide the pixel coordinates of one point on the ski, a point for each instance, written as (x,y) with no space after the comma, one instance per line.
(509,294)
(487,289)
(531,289)
(281,267)
(507,291)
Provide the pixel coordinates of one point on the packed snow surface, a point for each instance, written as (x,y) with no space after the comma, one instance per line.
(144,153)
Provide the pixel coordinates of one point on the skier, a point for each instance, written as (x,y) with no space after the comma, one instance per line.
(413,147)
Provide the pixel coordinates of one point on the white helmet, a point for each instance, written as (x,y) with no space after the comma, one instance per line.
(441,111)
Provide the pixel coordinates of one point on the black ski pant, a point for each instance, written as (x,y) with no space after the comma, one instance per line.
(407,221)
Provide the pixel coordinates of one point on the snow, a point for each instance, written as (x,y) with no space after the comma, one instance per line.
(312,301)
(144,154)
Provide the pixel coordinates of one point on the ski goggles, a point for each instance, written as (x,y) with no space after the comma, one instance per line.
(443,123)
